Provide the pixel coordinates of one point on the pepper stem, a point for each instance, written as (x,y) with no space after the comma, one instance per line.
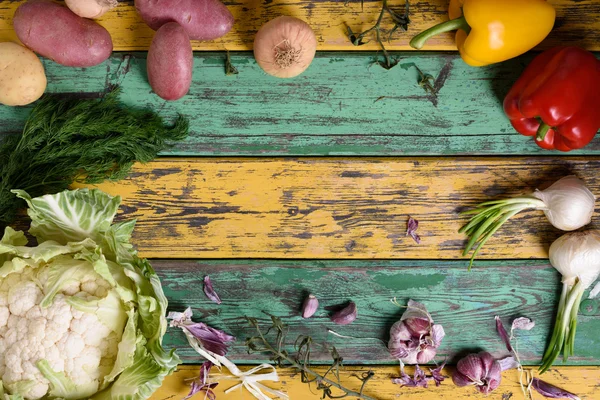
(542,130)
(459,23)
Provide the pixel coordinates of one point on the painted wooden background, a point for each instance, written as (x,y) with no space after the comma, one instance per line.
(270,230)
(582,379)
(327,110)
(577,22)
(335,207)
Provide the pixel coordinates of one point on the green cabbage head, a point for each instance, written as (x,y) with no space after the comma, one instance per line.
(81,315)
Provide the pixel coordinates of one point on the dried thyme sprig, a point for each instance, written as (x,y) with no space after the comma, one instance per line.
(230,69)
(401,22)
(301,359)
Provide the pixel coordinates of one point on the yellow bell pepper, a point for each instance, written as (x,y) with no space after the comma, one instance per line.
(491,31)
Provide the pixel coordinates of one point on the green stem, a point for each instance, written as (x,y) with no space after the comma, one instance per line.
(562,337)
(459,23)
(542,131)
(489,234)
(570,343)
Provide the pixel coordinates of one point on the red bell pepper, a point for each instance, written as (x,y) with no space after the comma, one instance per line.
(557,99)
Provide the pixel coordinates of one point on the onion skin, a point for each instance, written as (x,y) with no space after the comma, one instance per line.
(284,34)
(91,8)
(170,62)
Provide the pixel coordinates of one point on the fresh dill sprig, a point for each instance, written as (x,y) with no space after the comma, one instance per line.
(71,140)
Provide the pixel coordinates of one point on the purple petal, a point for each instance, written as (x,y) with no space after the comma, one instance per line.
(205,372)
(551,391)
(522,323)
(436,374)
(211,339)
(419,379)
(210,291)
(200,384)
(508,363)
(411,229)
(503,334)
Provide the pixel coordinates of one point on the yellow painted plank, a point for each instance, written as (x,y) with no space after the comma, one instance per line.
(334,207)
(582,381)
(578,23)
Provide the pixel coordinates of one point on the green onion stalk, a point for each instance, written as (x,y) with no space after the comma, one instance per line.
(576,256)
(568,205)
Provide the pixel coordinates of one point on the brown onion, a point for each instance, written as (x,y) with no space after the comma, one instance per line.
(285,46)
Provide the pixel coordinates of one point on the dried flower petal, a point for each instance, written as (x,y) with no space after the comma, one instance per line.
(436,374)
(503,334)
(521,323)
(419,379)
(346,315)
(201,384)
(208,338)
(309,308)
(210,291)
(508,363)
(411,229)
(551,391)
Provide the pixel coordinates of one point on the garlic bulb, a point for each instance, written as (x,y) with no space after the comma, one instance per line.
(480,370)
(415,338)
(569,203)
(576,256)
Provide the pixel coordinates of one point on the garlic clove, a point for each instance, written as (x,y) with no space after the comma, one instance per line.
(346,315)
(426,355)
(418,326)
(310,306)
(471,367)
(460,380)
(400,332)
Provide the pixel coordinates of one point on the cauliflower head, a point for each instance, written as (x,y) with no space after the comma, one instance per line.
(81,316)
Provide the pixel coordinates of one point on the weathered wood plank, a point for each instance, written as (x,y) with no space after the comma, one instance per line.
(581,380)
(578,23)
(341,106)
(334,207)
(464,302)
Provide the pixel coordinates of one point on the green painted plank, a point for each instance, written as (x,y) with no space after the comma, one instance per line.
(465,303)
(343,105)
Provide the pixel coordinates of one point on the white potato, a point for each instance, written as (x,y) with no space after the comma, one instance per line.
(22,77)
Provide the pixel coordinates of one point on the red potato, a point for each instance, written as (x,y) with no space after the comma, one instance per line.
(170,62)
(202,19)
(55,32)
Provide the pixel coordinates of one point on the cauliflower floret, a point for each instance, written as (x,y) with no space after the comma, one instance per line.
(23,296)
(73,342)
(4,313)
